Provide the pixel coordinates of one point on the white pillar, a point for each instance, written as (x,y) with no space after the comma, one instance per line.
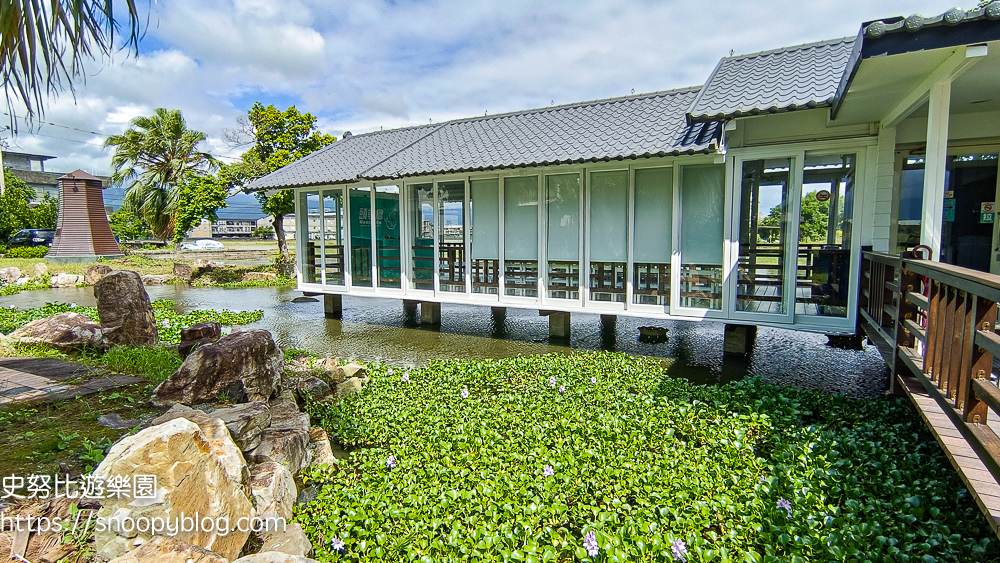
(935,163)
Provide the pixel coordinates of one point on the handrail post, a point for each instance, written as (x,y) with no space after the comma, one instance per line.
(908,281)
(985,316)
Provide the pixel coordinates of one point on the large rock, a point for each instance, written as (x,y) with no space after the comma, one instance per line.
(66,280)
(285,446)
(197,335)
(41,270)
(183,271)
(94,272)
(351,387)
(198,470)
(311,389)
(246,423)
(10,275)
(274,557)
(260,276)
(151,279)
(163,549)
(272,488)
(245,365)
(124,308)
(69,331)
(291,540)
(319,447)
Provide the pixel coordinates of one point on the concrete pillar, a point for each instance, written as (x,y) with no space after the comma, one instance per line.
(935,163)
(739,339)
(558,325)
(430,313)
(410,307)
(333,306)
(608,332)
(498,321)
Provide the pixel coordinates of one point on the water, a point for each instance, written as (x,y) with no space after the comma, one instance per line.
(378,329)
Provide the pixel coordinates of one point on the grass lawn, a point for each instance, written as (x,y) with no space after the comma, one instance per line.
(602,457)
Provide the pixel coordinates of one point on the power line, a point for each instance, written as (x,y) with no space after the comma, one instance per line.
(57,125)
(66,139)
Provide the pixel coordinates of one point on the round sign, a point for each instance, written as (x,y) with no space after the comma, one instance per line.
(823,195)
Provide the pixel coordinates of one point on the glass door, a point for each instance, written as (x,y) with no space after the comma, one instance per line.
(387,236)
(360,206)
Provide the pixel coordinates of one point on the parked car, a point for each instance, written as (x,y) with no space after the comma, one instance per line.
(32,237)
(203,244)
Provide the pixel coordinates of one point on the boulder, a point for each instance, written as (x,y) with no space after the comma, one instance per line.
(94,272)
(197,335)
(164,549)
(246,365)
(272,488)
(355,370)
(114,421)
(41,270)
(245,422)
(69,331)
(198,470)
(10,275)
(124,308)
(311,388)
(66,280)
(183,271)
(352,386)
(150,279)
(274,557)
(320,448)
(285,446)
(214,430)
(260,276)
(291,540)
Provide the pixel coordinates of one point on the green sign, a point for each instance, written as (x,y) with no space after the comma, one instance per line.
(949,209)
(986,217)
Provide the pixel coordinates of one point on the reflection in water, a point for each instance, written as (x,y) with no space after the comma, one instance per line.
(381,329)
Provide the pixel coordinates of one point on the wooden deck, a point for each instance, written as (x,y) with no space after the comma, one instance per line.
(45,380)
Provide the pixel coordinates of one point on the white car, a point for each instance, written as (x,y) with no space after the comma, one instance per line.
(203,244)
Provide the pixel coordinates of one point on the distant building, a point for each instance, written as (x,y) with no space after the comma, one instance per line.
(30,169)
(234,227)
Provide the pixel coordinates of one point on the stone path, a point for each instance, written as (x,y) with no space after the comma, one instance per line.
(48,380)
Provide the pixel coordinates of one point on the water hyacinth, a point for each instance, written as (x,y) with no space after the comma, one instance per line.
(465,393)
(593,380)
(552,381)
(562,388)
(786,506)
(337,545)
(390,372)
(391,462)
(547,471)
(679,550)
(406,377)
(590,544)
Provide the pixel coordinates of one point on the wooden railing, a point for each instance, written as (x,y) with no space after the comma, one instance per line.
(937,323)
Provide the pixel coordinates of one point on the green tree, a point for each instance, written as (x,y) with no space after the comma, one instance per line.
(276,138)
(15,213)
(155,154)
(43,43)
(813,220)
(198,197)
(126,225)
(262,232)
(45,213)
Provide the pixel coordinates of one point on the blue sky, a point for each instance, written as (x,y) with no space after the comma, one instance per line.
(360,66)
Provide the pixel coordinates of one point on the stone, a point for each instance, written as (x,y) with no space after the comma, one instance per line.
(355,370)
(124,308)
(245,422)
(150,279)
(214,429)
(320,448)
(94,272)
(291,540)
(183,271)
(205,265)
(348,388)
(10,275)
(328,363)
(68,331)
(284,446)
(260,276)
(66,280)
(197,335)
(40,270)
(274,557)
(311,388)
(245,365)
(114,421)
(164,549)
(303,299)
(198,469)
(272,488)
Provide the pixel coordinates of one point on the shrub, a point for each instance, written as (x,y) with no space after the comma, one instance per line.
(521,459)
(27,252)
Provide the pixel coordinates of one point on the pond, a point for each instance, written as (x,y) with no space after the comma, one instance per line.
(379,330)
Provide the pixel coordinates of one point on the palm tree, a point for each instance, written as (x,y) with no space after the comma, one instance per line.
(154,154)
(43,43)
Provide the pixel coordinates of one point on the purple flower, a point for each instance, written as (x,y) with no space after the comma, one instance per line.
(593,380)
(406,377)
(547,471)
(465,393)
(390,372)
(680,550)
(562,388)
(552,381)
(391,462)
(786,506)
(590,544)
(337,544)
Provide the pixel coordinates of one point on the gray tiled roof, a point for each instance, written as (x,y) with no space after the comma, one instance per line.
(643,125)
(805,76)
(916,22)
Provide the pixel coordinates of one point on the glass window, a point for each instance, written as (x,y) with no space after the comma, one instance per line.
(608,235)
(563,241)
(422,235)
(484,215)
(703,196)
(451,235)
(520,224)
(387,235)
(764,192)
(312,263)
(825,222)
(653,235)
(361,236)
(333,237)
